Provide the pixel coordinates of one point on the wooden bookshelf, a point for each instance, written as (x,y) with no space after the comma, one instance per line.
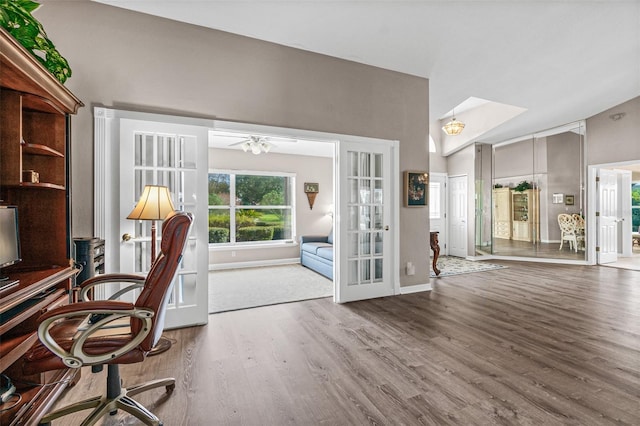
(35,112)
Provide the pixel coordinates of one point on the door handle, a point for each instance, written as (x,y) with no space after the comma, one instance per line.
(386,227)
(126,237)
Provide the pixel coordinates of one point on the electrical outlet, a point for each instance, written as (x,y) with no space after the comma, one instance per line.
(411,269)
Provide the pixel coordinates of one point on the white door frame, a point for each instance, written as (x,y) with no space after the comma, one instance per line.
(333,138)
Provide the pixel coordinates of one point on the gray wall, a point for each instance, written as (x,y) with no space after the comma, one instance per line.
(309,221)
(610,141)
(127,60)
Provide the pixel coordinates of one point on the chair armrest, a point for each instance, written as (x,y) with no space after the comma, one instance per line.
(112,310)
(137,281)
(313,239)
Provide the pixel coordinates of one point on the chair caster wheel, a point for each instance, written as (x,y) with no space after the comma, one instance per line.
(170,388)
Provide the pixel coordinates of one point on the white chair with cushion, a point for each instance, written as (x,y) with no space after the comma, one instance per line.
(567,225)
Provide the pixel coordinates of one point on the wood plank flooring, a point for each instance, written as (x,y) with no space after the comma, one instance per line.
(533,344)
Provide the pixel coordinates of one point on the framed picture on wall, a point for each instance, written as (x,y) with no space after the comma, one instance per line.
(416,188)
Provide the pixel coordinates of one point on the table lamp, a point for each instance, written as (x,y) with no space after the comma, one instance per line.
(154,204)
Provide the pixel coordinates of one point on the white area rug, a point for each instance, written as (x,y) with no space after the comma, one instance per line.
(250,287)
(451,265)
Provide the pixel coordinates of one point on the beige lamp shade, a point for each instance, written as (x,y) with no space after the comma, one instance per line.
(154,204)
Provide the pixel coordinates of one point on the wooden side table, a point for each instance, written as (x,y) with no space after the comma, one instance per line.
(435,246)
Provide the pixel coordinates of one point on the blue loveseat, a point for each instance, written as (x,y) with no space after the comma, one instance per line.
(316,253)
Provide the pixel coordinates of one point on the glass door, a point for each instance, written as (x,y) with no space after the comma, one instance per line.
(365,222)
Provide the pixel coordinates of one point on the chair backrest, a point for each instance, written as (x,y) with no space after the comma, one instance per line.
(566,223)
(579,221)
(159,282)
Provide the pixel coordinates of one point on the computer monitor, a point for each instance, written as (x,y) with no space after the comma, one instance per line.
(9,238)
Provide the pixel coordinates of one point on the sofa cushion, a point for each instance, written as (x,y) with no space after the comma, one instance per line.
(313,247)
(325,253)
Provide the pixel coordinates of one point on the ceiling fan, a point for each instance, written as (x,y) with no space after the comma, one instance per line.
(259,144)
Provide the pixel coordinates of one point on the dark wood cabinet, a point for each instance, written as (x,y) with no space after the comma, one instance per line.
(35,112)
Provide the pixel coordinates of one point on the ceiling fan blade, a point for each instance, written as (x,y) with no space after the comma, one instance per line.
(239,143)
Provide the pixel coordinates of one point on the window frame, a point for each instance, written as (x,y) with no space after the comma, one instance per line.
(233,208)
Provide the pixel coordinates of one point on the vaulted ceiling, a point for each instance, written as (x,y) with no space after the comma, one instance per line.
(560,60)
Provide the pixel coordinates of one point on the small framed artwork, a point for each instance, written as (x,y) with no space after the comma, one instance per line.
(416,188)
(557,198)
(568,200)
(311,187)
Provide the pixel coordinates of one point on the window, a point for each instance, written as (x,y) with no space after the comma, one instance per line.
(251,207)
(435,211)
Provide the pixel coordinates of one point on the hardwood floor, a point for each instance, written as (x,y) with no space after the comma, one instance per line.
(533,344)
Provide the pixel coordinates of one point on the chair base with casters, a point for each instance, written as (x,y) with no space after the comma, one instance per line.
(116,398)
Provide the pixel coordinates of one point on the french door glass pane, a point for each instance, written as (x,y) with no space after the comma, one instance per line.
(365,218)
(377,168)
(352,162)
(352,271)
(365,164)
(166,151)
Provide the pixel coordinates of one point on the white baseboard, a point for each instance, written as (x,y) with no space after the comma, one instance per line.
(415,288)
(253,264)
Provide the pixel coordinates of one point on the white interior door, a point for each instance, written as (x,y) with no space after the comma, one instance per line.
(173,155)
(608,216)
(437,209)
(458,216)
(365,244)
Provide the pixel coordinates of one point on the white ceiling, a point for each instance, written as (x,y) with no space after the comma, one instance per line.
(560,60)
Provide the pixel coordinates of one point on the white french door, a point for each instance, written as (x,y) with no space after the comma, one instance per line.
(366,238)
(458,216)
(608,218)
(136,149)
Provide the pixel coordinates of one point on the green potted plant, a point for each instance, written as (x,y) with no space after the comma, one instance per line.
(522,186)
(16,18)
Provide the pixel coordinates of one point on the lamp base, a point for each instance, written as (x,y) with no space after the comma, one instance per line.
(162,346)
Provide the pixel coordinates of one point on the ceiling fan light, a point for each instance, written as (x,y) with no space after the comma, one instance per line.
(266,147)
(255,148)
(453,127)
(245,146)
